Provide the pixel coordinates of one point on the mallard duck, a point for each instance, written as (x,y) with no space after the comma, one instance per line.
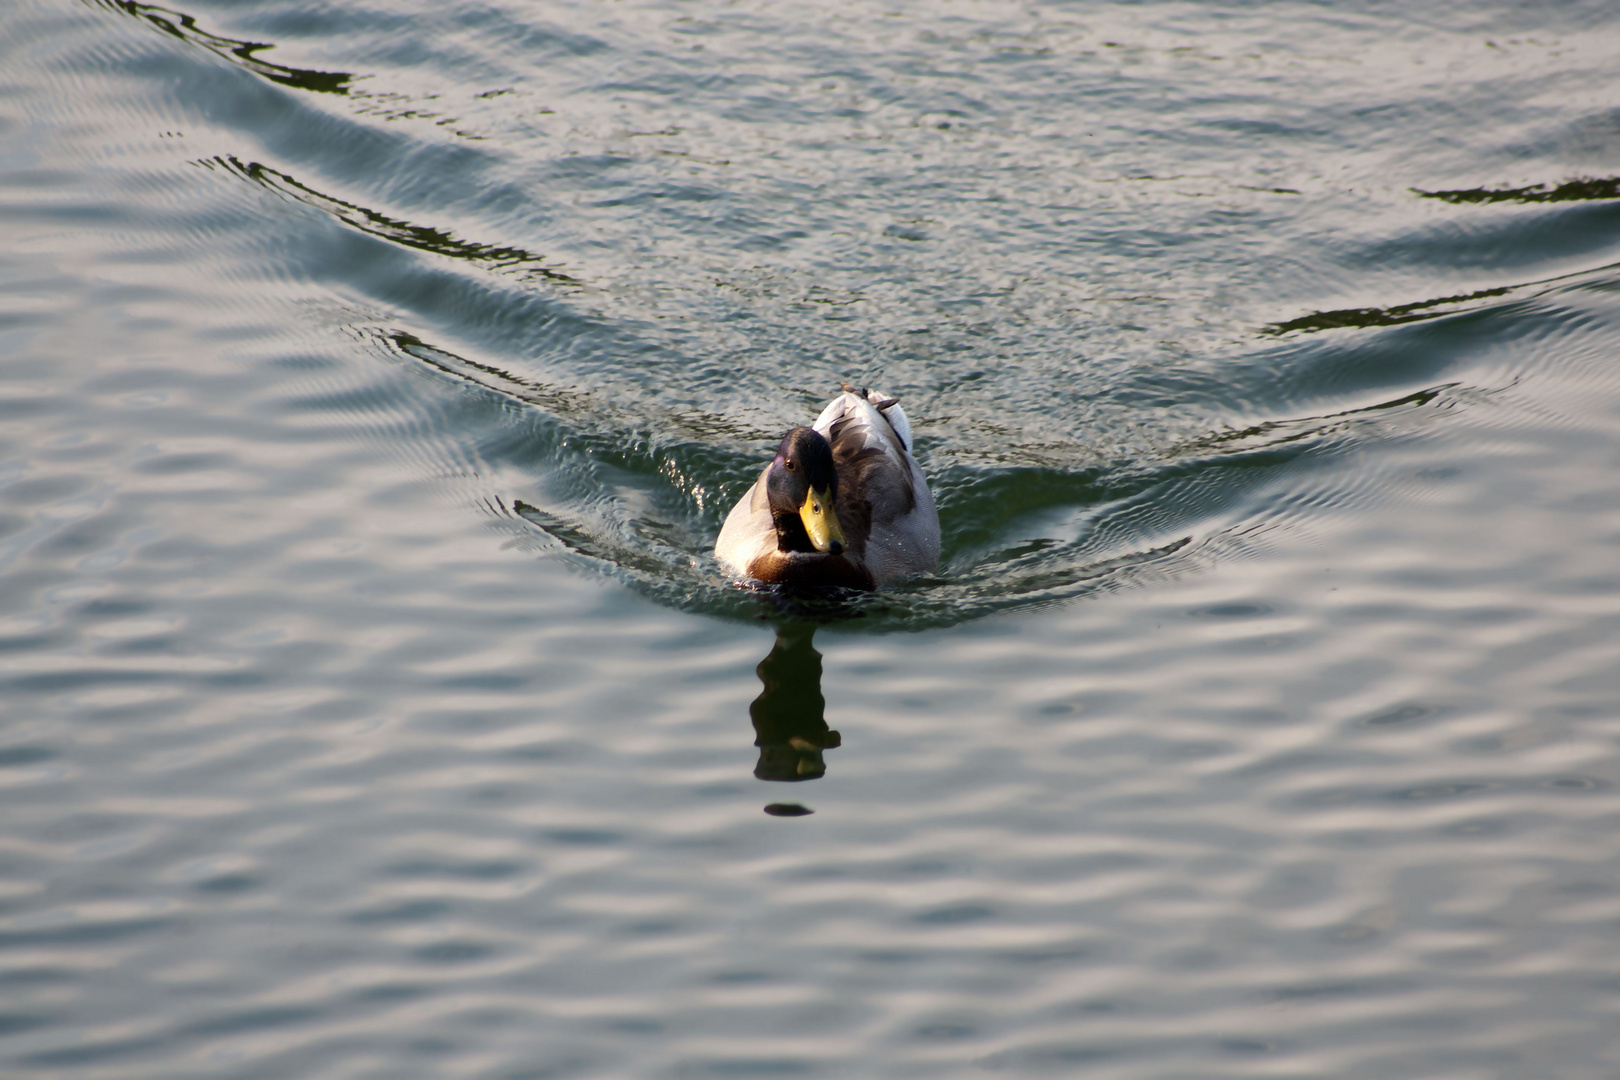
(842,503)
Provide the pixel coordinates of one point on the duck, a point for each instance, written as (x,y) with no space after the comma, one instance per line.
(843,503)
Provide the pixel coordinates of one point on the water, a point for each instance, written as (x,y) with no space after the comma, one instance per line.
(376,378)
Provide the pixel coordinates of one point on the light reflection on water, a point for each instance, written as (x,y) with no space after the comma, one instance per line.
(375,381)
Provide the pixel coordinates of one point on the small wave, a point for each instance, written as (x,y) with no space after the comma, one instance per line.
(635,492)
(241,53)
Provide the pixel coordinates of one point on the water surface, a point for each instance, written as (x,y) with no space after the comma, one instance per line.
(375,379)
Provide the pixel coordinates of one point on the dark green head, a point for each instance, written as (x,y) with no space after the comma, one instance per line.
(802,485)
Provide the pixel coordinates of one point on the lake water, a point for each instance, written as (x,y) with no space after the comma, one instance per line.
(375,378)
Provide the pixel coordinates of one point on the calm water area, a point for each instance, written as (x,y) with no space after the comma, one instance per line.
(375,376)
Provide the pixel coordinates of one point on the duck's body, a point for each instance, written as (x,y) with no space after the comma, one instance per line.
(842,503)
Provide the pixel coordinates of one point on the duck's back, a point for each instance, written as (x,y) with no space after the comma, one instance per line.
(882,495)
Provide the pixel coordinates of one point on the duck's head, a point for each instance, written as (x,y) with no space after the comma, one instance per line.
(802,484)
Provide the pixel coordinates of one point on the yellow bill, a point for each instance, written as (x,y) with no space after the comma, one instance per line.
(821,522)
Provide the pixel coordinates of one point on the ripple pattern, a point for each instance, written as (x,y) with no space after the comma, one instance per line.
(375,378)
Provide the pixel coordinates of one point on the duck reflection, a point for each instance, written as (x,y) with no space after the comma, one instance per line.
(790,726)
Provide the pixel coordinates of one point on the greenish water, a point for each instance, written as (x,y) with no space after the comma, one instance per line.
(374,380)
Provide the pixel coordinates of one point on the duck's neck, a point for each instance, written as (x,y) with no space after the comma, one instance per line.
(790,532)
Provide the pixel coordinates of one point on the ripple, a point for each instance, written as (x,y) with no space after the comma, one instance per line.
(1128,504)
(180,25)
(1579,190)
(373,702)
(373,223)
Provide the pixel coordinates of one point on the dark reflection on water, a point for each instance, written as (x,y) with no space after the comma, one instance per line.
(240,53)
(1579,190)
(420,237)
(790,725)
(1416,311)
(1420,310)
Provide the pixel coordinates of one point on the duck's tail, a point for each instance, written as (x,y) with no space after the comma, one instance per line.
(888,407)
